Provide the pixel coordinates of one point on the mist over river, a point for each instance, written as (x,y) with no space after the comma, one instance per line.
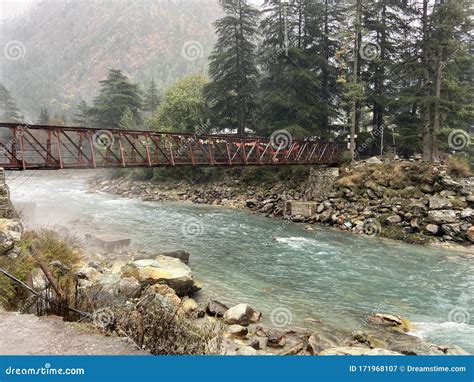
(333,277)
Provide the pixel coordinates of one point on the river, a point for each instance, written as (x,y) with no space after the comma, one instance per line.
(287,273)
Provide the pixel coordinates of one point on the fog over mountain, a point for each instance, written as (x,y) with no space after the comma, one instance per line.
(55,53)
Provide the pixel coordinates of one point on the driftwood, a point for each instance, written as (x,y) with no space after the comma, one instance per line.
(52,280)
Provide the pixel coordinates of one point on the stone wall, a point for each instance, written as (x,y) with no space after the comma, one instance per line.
(6,209)
(11,228)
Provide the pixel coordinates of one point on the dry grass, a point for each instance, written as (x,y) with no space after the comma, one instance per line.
(458,167)
(351,181)
(45,245)
(162,331)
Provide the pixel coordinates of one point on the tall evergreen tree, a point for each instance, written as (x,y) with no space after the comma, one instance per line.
(450,35)
(117,94)
(83,114)
(9,111)
(298,72)
(435,93)
(44,117)
(232,90)
(151,99)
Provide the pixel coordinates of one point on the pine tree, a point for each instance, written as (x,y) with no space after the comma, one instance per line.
(83,114)
(44,117)
(232,90)
(434,94)
(117,94)
(9,111)
(298,72)
(151,99)
(386,33)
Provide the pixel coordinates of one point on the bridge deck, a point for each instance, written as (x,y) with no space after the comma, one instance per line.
(24,147)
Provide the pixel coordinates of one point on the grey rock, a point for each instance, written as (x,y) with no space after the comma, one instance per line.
(467,213)
(373,160)
(167,270)
(276,340)
(442,216)
(241,314)
(446,193)
(129,287)
(179,254)
(439,203)
(432,229)
(451,229)
(216,309)
(426,188)
(236,331)
(246,350)
(394,219)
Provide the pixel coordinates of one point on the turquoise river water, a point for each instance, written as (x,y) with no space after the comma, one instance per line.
(276,267)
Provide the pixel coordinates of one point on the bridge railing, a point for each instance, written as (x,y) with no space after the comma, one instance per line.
(25,147)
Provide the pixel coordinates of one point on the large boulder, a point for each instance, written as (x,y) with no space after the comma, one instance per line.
(391,320)
(439,203)
(164,295)
(129,287)
(166,270)
(470,233)
(241,314)
(10,233)
(442,216)
(432,229)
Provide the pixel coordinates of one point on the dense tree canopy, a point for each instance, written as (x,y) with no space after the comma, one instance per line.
(117,94)
(183,106)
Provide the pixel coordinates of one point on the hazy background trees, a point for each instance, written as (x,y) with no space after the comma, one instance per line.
(389,70)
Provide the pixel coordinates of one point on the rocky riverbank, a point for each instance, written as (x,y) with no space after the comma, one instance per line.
(411,201)
(138,281)
(154,300)
(144,295)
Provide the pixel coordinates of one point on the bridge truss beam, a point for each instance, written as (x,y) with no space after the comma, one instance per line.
(25,147)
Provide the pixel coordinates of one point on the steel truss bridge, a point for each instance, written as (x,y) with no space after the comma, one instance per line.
(37,147)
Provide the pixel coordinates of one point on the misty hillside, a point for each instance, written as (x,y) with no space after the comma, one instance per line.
(60,51)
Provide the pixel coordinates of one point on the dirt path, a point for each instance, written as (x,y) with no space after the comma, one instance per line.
(29,334)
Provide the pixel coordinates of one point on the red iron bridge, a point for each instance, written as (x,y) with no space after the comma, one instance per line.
(37,147)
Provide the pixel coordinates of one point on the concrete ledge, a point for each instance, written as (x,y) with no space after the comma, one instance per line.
(305,209)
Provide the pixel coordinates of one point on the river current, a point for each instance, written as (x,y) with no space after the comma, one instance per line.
(279,268)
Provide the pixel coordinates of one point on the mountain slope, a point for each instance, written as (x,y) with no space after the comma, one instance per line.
(56,53)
